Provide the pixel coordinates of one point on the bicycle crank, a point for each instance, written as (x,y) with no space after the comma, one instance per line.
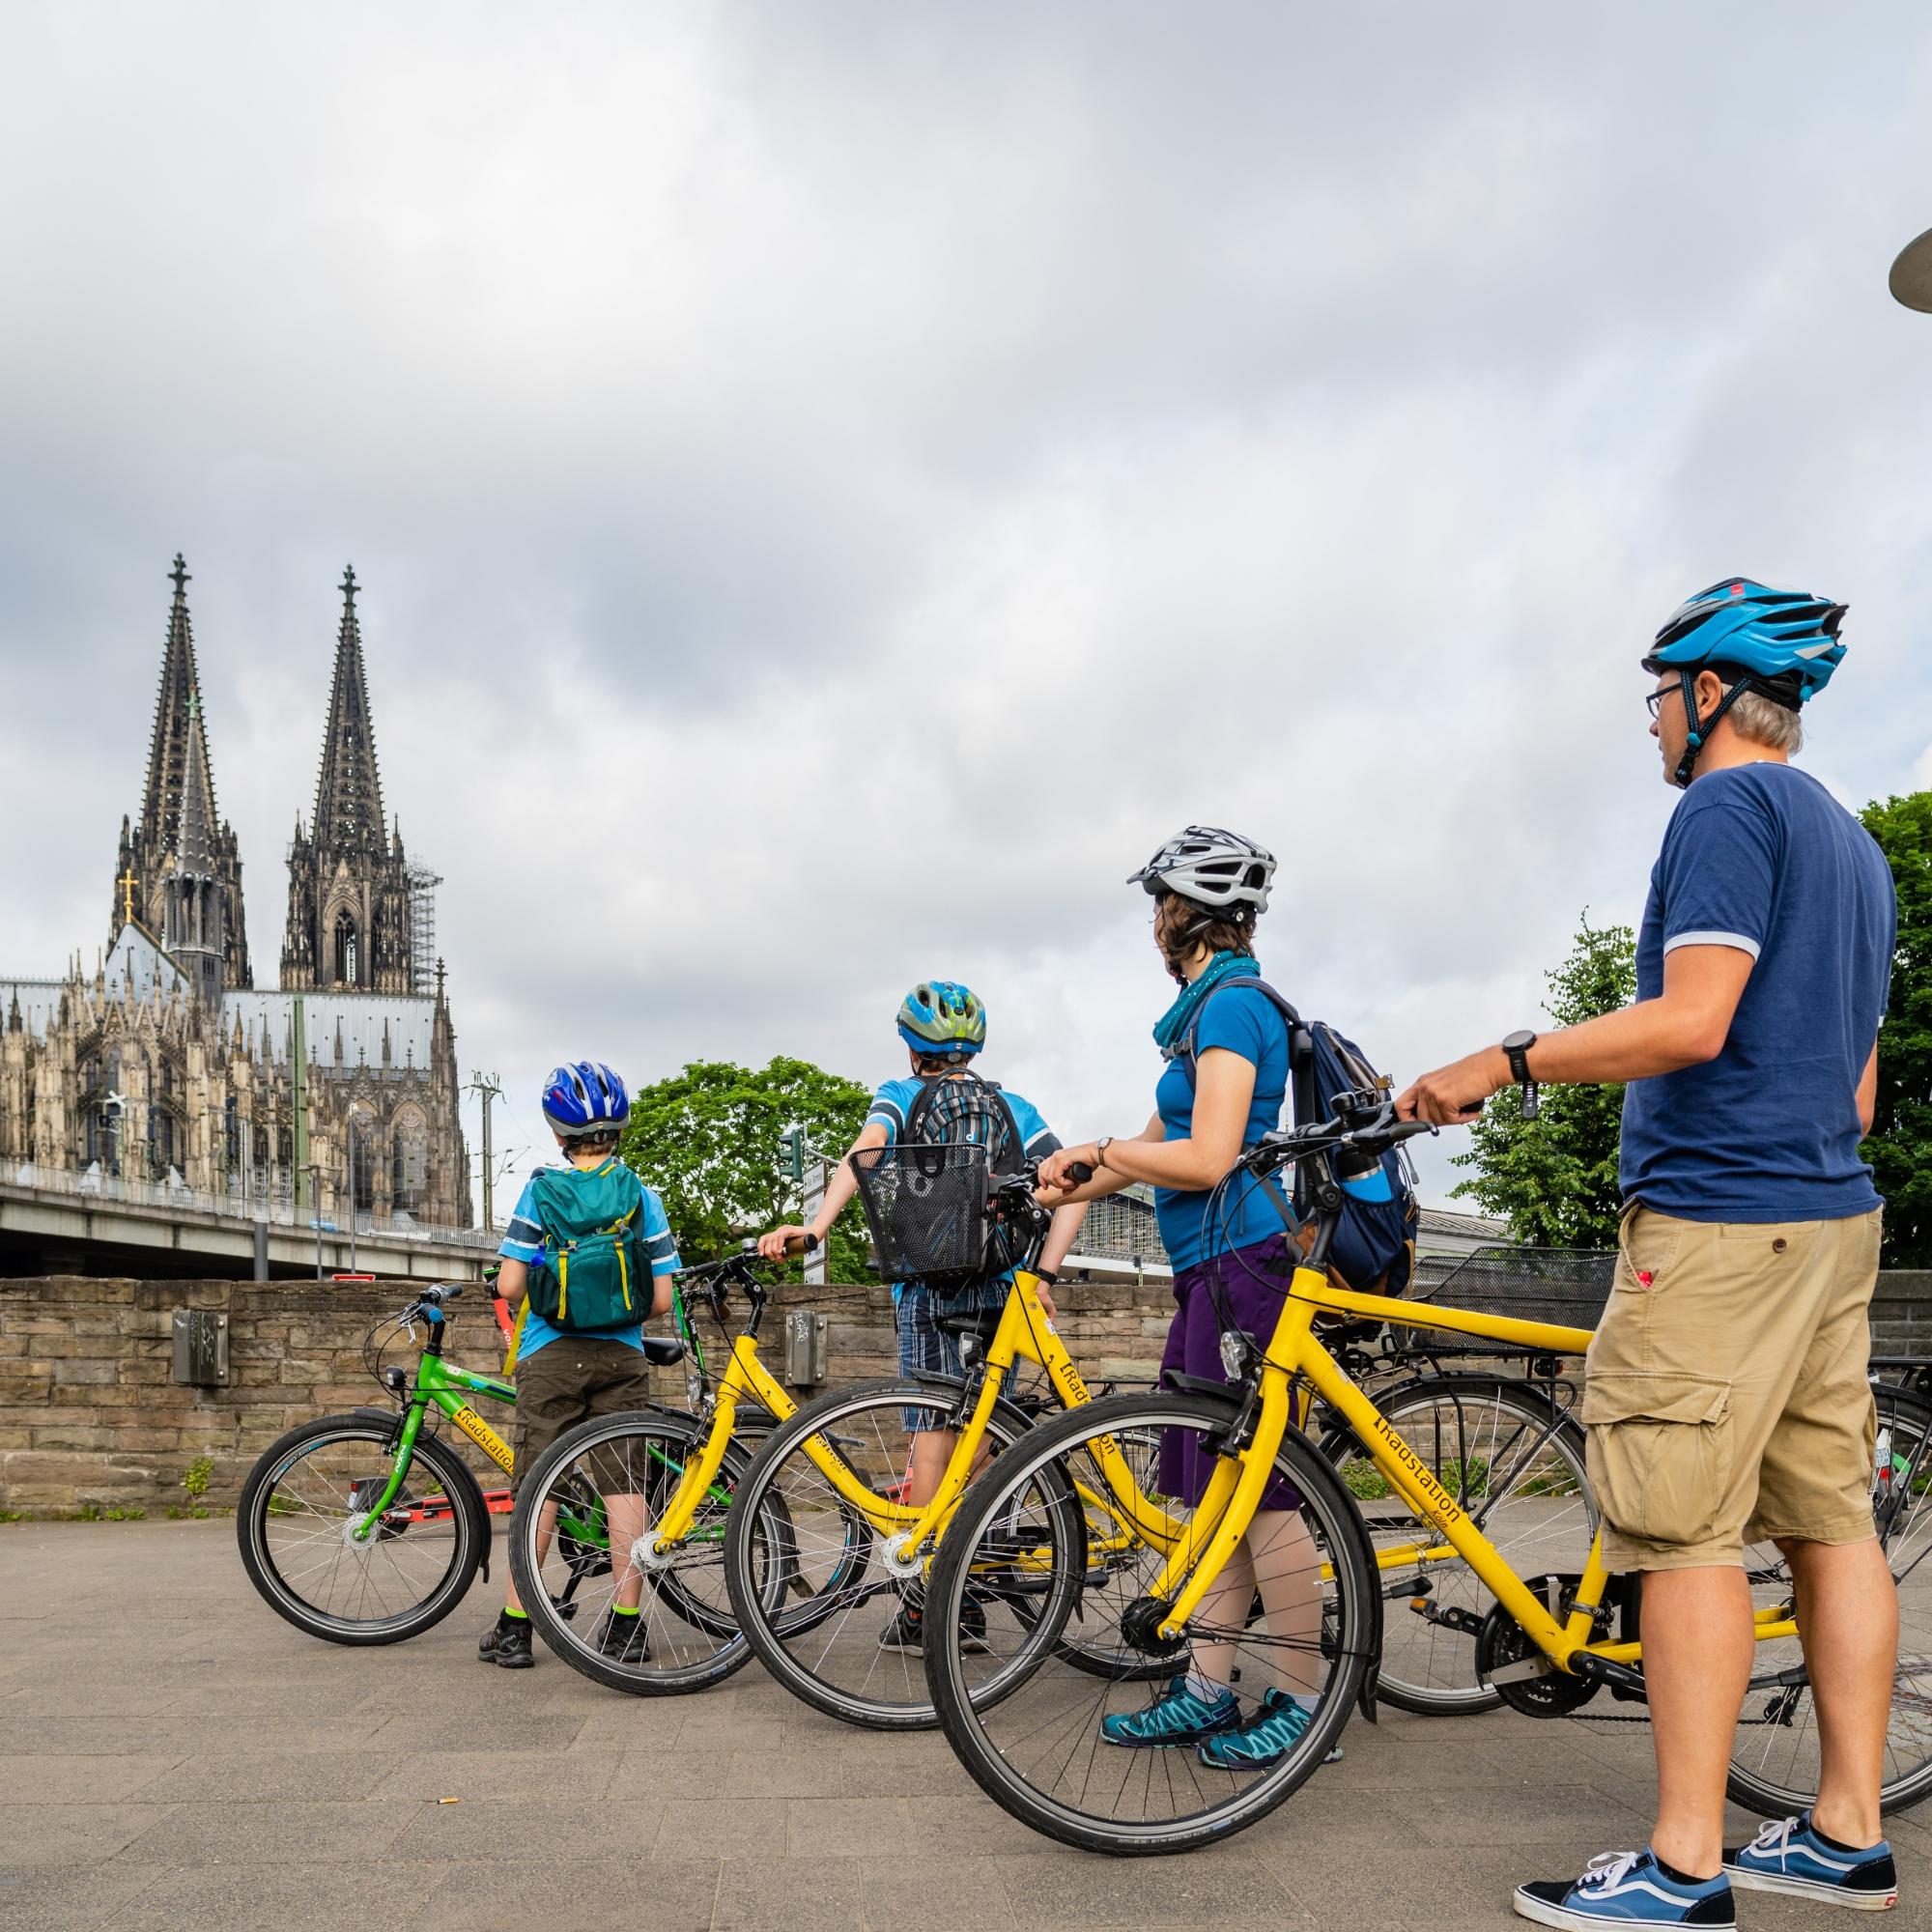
(1509,1661)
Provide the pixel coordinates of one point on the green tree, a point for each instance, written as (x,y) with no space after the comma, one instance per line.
(707,1139)
(1900,1146)
(1555,1178)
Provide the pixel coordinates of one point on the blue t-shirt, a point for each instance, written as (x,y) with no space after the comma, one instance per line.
(524,1241)
(891,1107)
(1249,1023)
(1762,858)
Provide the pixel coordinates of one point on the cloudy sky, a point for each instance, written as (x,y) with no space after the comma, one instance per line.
(836,486)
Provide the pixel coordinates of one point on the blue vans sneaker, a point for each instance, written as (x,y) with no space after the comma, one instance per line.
(1791,1856)
(1179,1717)
(1627,1888)
(1274,1731)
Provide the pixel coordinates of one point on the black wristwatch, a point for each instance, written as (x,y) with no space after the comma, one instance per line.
(1517,1045)
(1046,1275)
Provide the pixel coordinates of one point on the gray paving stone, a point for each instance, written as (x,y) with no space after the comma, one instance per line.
(582,1777)
(53,1779)
(600,1893)
(704,1828)
(939,1894)
(321,1831)
(791,1896)
(67,1898)
(269,1777)
(67,1835)
(534,1829)
(1062,1887)
(280,1898)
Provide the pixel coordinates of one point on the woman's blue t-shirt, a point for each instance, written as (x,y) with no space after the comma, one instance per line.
(1246,1022)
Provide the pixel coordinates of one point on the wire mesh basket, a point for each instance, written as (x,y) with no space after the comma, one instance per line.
(927,1207)
(1567,1287)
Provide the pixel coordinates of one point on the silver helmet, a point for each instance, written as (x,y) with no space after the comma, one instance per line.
(1210,868)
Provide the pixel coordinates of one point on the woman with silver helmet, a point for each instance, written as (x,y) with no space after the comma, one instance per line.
(1209,887)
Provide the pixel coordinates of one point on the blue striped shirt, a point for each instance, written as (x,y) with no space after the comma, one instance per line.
(524,1241)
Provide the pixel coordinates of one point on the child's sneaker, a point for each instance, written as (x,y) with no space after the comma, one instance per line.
(1179,1717)
(1627,1888)
(1273,1732)
(622,1639)
(511,1650)
(1793,1855)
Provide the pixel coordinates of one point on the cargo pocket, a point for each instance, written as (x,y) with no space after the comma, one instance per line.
(1659,1451)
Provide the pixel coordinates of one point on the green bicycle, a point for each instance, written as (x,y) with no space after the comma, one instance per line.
(368,1528)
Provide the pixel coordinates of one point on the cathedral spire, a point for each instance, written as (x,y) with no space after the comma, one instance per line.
(348,791)
(194,843)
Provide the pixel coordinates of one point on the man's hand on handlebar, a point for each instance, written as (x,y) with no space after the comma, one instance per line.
(1453,1095)
(787,1241)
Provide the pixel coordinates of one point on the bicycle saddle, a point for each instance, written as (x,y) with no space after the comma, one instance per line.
(662,1350)
(979,1322)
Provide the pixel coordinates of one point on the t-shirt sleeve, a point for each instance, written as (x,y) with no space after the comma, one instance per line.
(1037,1138)
(1239,1019)
(658,1238)
(524,1239)
(889,1107)
(1717,873)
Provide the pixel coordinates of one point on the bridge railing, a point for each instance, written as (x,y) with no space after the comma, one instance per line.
(178,1197)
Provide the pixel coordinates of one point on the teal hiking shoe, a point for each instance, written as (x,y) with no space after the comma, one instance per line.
(1179,1717)
(1274,1731)
(1792,1856)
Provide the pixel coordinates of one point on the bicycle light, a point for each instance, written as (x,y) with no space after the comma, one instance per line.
(395,1378)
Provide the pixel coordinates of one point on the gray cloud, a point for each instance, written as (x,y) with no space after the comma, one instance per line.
(899,465)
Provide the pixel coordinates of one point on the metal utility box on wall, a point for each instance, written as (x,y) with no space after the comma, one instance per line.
(805,1348)
(201,1348)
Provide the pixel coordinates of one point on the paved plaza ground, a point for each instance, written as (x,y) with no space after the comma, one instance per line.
(173,1756)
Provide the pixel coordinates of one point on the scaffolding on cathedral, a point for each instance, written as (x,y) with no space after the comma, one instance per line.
(423,881)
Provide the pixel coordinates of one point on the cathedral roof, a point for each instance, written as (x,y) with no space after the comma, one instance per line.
(357,1019)
(38,1001)
(137,962)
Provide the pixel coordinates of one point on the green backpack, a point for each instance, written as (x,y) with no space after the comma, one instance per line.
(595,1272)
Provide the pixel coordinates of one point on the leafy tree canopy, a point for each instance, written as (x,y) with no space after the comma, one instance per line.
(708,1140)
(1900,1147)
(1555,1178)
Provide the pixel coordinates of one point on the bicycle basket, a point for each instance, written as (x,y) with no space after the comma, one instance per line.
(926,1206)
(1567,1287)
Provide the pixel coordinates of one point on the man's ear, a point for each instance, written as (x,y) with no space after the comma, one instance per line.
(1710,690)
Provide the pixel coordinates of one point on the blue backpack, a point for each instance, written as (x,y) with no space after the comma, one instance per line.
(1373,1248)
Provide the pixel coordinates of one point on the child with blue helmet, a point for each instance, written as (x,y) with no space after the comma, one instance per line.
(943,1027)
(567,1373)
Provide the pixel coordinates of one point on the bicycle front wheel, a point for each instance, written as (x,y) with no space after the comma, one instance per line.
(583,1554)
(313,1488)
(1775,1763)
(1072,1755)
(1515,1462)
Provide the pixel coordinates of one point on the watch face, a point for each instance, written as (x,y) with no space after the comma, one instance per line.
(1518,1040)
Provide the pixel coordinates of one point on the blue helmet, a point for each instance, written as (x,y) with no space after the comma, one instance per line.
(585,1101)
(1783,645)
(943,1016)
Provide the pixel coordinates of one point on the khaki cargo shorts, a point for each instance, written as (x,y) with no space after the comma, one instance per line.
(568,1381)
(1726,1401)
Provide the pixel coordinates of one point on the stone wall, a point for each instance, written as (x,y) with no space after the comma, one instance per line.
(90,1414)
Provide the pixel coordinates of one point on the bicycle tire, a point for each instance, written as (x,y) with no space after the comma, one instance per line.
(1347,1630)
(1498,1445)
(654,1444)
(1782,1723)
(771,1629)
(376,1561)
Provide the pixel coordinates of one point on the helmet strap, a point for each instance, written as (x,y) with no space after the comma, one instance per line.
(1698,733)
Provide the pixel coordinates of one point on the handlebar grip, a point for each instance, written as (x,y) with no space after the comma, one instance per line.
(1080,1171)
(451,1289)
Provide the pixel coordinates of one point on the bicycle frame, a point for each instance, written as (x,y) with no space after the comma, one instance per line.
(1295,1352)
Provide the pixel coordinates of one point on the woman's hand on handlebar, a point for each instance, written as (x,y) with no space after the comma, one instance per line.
(786,1241)
(1063,1172)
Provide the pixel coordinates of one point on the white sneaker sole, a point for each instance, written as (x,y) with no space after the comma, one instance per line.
(1528,1907)
(1744,1879)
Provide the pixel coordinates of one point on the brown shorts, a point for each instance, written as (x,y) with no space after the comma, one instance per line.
(568,1380)
(1726,1399)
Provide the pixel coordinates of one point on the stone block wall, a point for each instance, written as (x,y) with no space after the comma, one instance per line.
(90,1414)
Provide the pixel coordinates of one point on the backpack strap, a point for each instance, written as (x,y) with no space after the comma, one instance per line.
(1298,1032)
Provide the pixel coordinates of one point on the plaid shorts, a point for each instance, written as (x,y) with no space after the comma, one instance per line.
(923,1350)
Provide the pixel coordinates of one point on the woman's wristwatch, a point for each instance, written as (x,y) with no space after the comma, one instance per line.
(1101,1148)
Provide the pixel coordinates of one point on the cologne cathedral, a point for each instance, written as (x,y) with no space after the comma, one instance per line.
(164,1065)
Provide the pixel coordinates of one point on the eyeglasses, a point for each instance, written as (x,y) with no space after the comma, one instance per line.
(1655,701)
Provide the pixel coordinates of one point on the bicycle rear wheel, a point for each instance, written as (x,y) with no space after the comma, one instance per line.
(1029,1726)
(581,1530)
(310,1489)
(1775,1766)
(1515,1462)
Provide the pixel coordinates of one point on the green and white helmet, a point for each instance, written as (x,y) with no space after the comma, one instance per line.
(943,1016)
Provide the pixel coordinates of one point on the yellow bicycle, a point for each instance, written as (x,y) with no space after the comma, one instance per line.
(1300,1625)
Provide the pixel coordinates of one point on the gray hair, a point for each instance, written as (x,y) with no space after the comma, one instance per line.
(1766,724)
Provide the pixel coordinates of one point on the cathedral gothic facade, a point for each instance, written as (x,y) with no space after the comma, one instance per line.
(166,1066)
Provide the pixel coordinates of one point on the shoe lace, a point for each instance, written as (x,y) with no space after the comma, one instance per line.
(1178,1710)
(1610,1869)
(1774,1836)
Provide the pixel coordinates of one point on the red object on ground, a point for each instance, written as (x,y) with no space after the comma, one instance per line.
(351,1277)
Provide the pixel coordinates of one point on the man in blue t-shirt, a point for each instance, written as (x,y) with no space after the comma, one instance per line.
(943,1027)
(1726,1399)
(566,1376)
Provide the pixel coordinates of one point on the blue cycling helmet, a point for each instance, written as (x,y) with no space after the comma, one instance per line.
(943,1016)
(1783,645)
(585,1101)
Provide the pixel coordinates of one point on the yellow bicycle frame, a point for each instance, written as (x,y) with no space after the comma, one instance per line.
(1294,1349)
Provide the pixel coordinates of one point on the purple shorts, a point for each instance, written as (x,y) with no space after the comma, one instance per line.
(1194,1348)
